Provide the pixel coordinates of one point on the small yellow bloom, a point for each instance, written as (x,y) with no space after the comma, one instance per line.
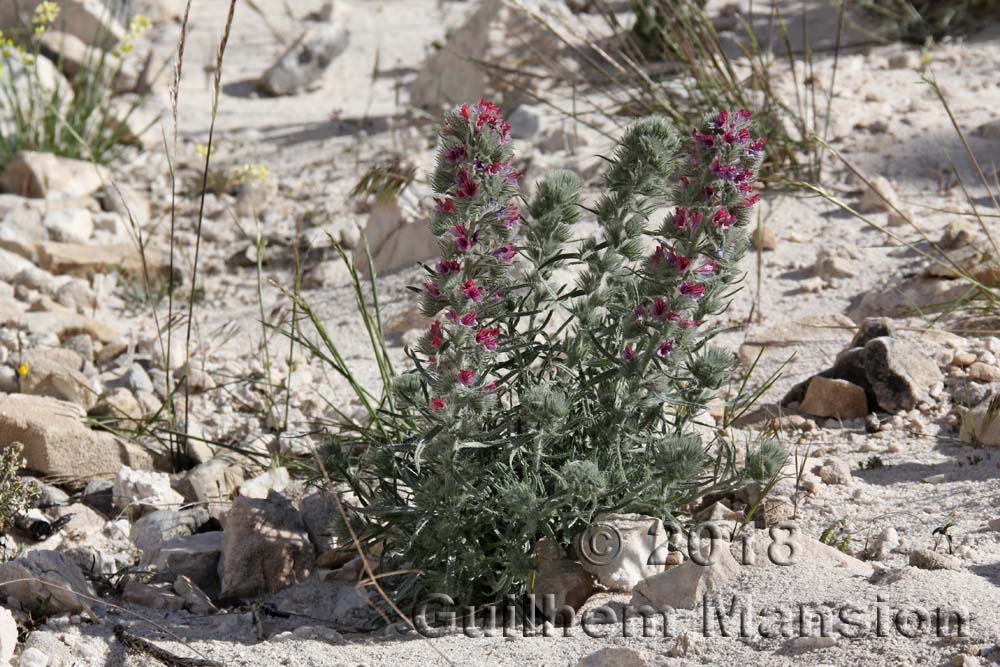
(22,370)
(136,28)
(45,13)
(201,150)
(252,172)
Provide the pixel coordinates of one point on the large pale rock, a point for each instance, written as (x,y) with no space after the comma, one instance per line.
(455,73)
(398,233)
(97,546)
(70,225)
(826,397)
(621,550)
(50,377)
(57,443)
(300,68)
(28,83)
(84,260)
(981,424)
(71,52)
(144,488)
(899,372)
(683,587)
(265,547)
(89,20)
(275,479)
(8,636)
(213,485)
(33,174)
(880,196)
(153,530)
(38,598)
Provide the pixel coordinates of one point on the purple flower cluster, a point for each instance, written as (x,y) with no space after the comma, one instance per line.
(698,241)
(476,220)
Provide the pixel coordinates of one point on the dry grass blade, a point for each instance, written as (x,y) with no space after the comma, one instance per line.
(201,207)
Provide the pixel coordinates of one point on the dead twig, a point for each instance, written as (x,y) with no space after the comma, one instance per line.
(136,644)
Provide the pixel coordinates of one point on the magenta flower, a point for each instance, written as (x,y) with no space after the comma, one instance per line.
(511,216)
(445,266)
(488,338)
(506,253)
(659,309)
(437,405)
(665,349)
(432,289)
(463,243)
(444,206)
(471,291)
(628,354)
(467,320)
(708,269)
(686,219)
(756,147)
(467,377)
(436,339)
(467,187)
(678,262)
(455,154)
(693,290)
(723,219)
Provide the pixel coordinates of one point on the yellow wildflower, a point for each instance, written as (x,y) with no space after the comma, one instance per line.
(136,28)
(252,172)
(22,370)
(201,150)
(45,15)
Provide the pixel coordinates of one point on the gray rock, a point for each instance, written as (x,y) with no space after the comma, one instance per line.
(151,531)
(870,328)
(138,380)
(836,471)
(36,175)
(53,436)
(636,538)
(526,121)
(37,598)
(265,547)
(300,68)
(195,599)
(70,225)
(566,581)
(928,559)
(900,373)
(320,516)
(193,556)
(211,484)
(88,20)
(152,596)
(683,587)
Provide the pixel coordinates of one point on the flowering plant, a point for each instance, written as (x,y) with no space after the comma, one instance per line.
(533,405)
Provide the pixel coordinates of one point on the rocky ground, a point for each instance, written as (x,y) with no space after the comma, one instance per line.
(883,403)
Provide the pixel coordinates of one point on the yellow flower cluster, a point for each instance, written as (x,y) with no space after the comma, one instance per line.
(46,14)
(137,27)
(251,172)
(8,48)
